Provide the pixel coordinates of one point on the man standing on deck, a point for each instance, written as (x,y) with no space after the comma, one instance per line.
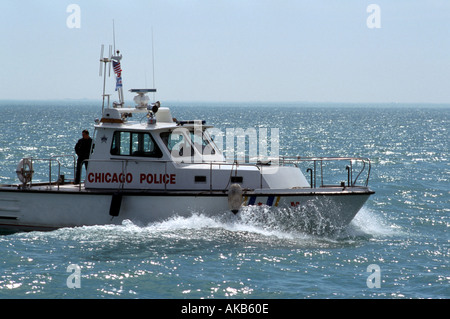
(83,149)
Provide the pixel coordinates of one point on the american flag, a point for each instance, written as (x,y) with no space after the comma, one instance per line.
(117,68)
(118,83)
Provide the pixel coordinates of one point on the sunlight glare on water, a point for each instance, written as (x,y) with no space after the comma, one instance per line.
(402,228)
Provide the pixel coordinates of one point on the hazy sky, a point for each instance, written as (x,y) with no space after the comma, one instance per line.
(231,50)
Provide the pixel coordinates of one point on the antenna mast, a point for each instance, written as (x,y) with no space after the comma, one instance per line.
(115,60)
(102,71)
(153,66)
(114,37)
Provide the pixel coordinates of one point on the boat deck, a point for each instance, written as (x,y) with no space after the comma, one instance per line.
(72,188)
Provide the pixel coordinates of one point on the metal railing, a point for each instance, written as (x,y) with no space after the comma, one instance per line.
(320,161)
(315,168)
(51,163)
(316,171)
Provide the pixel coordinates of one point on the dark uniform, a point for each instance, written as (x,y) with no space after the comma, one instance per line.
(83,149)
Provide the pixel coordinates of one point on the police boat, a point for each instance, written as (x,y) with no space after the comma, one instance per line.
(145,166)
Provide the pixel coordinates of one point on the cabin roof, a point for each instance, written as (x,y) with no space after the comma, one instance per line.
(138,119)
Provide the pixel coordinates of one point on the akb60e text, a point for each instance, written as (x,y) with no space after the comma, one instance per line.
(244,308)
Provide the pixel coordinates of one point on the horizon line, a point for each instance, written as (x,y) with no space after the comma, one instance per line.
(229,101)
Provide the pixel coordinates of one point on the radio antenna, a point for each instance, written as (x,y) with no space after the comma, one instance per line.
(153,66)
(114,37)
(102,71)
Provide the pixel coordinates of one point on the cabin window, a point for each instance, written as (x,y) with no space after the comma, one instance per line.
(173,141)
(177,144)
(205,148)
(134,144)
(180,145)
(200,179)
(236,179)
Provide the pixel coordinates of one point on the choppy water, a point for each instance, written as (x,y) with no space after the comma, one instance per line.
(402,229)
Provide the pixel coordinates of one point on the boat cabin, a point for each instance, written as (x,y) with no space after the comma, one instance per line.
(156,152)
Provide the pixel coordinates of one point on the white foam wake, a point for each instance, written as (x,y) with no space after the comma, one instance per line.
(255,223)
(372,223)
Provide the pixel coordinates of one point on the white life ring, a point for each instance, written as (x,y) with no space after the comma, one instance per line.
(25,170)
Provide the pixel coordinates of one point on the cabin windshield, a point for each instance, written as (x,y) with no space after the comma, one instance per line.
(134,144)
(182,143)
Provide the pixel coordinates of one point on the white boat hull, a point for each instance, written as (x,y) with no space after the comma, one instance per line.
(47,209)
